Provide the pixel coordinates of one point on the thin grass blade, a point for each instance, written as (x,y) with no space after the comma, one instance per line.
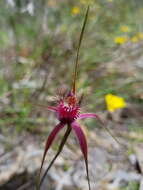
(78,48)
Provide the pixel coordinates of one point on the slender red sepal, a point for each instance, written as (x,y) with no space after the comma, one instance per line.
(83,145)
(67,133)
(49,142)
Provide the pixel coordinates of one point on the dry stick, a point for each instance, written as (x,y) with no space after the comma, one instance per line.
(77,55)
(59,151)
(26,185)
(108,130)
(36,94)
(110,133)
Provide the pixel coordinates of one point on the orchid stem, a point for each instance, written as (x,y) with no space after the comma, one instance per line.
(87,170)
(59,151)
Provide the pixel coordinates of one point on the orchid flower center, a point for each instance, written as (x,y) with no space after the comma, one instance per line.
(66,113)
(68,110)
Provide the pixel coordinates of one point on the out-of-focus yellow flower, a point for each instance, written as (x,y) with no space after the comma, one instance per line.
(75,10)
(110,0)
(124,28)
(134,39)
(114,102)
(120,39)
(140,35)
(137,37)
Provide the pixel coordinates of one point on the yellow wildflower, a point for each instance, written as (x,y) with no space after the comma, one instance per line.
(134,39)
(137,37)
(114,102)
(124,28)
(140,35)
(75,10)
(120,39)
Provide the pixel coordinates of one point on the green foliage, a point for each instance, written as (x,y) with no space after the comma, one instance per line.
(131,186)
(35,42)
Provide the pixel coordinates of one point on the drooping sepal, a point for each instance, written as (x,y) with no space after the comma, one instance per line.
(67,133)
(83,145)
(49,142)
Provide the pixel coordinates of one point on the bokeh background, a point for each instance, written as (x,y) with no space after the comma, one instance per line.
(38,43)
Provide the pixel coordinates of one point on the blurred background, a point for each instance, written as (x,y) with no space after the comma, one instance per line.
(38,43)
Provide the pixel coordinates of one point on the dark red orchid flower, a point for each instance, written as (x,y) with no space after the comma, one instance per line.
(68,113)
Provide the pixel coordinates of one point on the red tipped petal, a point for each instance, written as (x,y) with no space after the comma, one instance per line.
(83,145)
(50,141)
(90,115)
(87,115)
(50,108)
(93,115)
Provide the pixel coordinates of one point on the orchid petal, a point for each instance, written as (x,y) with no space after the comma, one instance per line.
(59,151)
(50,108)
(83,145)
(90,115)
(93,115)
(87,115)
(50,141)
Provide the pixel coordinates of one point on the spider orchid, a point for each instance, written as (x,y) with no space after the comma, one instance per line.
(68,113)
